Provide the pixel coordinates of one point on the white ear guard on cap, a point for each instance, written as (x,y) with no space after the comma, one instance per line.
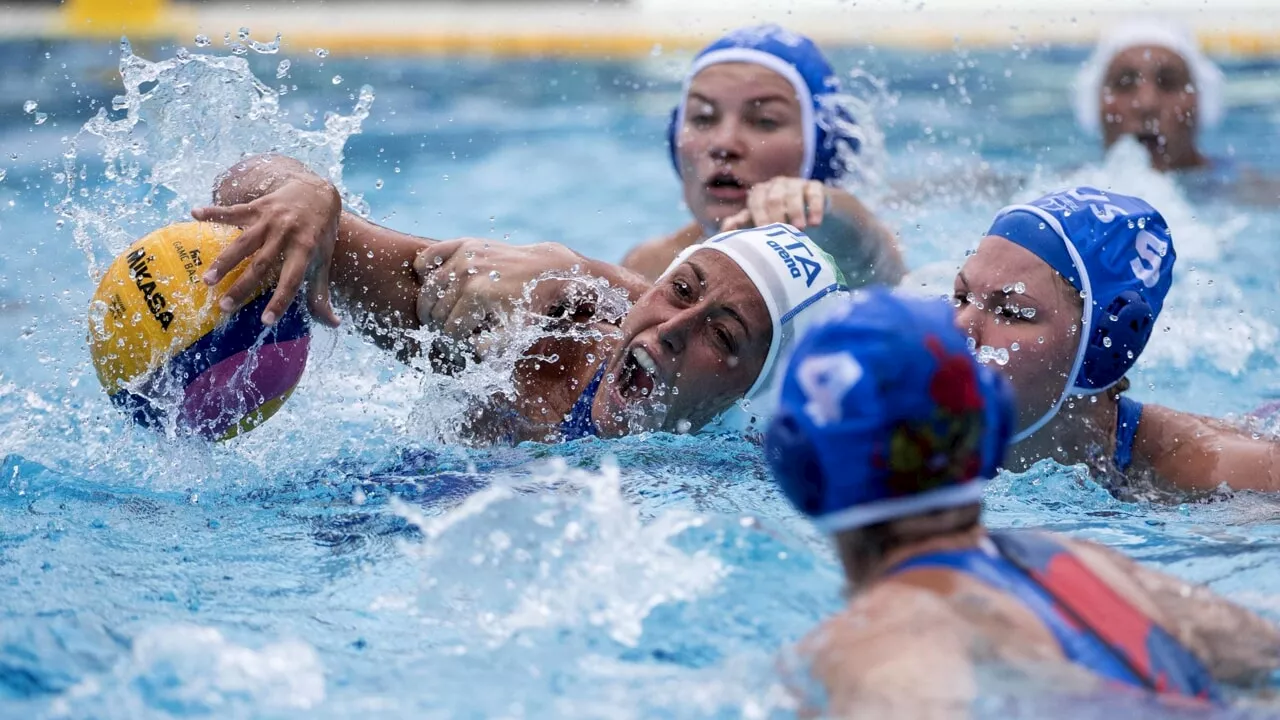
(799,283)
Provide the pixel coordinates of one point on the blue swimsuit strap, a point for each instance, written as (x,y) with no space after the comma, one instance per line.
(1128,415)
(1079,641)
(579,423)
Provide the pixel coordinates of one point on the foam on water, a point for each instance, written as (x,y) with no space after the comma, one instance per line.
(600,566)
(195,670)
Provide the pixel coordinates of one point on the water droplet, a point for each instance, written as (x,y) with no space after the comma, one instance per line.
(990,354)
(202,41)
(30,106)
(470,254)
(1019,288)
(337,79)
(1028,313)
(283,68)
(683,426)
(1106,342)
(270,48)
(1040,340)
(183,54)
(1014,347)
(377,184)
(3,172)
(322,53)
(495,276)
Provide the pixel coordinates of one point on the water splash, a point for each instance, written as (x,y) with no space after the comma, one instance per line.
(194,670)
(185,121)
(1127,169)
(1208,318)
(460,400)
(855,113)
(583,557)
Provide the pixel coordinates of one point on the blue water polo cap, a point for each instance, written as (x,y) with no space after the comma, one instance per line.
(885,414)
(796,58)
(1118,252)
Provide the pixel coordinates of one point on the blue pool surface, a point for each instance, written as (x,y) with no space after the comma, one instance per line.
(342,560)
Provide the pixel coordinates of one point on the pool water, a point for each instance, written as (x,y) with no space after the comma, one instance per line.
(344,560)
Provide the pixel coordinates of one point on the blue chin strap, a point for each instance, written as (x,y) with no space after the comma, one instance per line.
(799,60)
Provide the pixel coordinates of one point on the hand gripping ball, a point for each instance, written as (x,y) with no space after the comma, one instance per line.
(168,356)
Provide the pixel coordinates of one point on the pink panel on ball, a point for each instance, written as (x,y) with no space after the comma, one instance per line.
(235,387)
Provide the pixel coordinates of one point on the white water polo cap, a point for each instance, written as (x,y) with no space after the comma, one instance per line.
(799,282)
(1205,75)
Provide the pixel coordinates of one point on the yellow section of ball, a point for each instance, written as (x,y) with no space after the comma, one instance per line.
(152,303)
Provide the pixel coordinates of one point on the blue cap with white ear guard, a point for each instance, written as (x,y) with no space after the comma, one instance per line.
(885,414)
(796,58)
(1118,252)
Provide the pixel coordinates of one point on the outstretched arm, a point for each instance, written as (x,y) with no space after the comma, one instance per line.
(1198,453)
(468,284)
(294,223)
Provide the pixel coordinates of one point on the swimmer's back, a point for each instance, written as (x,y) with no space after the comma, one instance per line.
(935,622)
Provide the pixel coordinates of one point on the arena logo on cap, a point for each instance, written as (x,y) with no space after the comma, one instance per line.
(811,268)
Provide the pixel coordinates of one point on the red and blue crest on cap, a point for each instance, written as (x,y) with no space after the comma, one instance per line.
(885,413)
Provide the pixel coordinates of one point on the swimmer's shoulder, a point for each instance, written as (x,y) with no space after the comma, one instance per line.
(651,258)
(871,629)
(1005,625)
(871,657)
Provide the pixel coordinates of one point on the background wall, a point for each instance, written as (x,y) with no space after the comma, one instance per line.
(635,27)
